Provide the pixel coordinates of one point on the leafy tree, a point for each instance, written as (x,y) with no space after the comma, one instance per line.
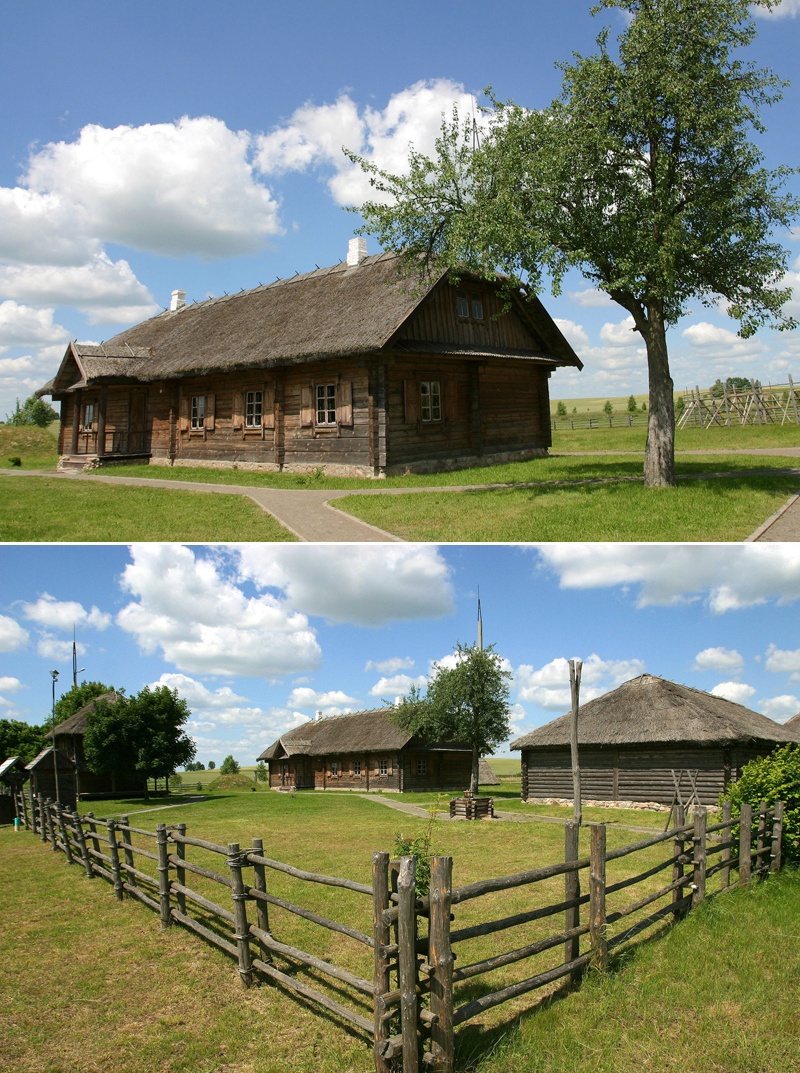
(21,739)
(465,703)
(608,409)
(77,697)
(262,775)
(642,174)
(229,766)
(141,734)
(773,778)
(34,411)
(632,407)
(195,765)
(211,765)
(561,409)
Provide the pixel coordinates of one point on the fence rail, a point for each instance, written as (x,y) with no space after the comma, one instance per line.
(406,993)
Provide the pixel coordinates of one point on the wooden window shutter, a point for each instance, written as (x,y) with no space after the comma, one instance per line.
(307,406)
(237,410)
(183,414)
(344,403)
(412,401)
(208,423)
(450,399)
(268,408)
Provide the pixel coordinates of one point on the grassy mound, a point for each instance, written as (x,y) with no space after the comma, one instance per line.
(232,782)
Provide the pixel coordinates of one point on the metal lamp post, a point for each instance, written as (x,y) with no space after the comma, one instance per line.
(54,676)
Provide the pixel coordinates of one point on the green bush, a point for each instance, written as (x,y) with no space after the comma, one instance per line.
(773,778)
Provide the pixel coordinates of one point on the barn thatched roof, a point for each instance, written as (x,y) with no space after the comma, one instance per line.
(793,724)
(78,721)
(650,710)
(329,313)
(360,732)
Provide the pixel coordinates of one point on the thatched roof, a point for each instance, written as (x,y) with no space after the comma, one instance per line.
(793,724)
(649,710)
(486,777)
(360,732)
(330,313)
(78,721)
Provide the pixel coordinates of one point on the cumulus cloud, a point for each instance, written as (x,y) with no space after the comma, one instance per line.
(575,334)
(10,685)
(623,334)
(22,325)
(780,708)
(397,685)
(739,692)
(549,686)
(785,9)
(783,661)
(64,614)
(180,188)
(185,607)
(12,635)
(390,666)
(315,135)
(57,648)
(718,659)
(727,579)
(368,585)
(305,697)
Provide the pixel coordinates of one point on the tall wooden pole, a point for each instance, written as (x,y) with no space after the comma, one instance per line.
(575,667)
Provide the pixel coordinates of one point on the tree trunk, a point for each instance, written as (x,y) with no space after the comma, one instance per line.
(476,760)
(659,457)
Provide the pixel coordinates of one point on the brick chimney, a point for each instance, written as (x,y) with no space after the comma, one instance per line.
(178,301)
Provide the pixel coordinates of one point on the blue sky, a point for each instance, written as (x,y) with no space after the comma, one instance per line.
(259,637)
(146,147)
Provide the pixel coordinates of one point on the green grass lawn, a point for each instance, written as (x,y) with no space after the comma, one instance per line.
(54,509)
(89,984)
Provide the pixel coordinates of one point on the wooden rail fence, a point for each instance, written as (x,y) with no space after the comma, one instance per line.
(417,995)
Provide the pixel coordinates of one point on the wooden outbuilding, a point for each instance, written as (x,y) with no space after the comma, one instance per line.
(353,369)
(87,783)
(364,751)
(13,775)
(645,739)
(52,776)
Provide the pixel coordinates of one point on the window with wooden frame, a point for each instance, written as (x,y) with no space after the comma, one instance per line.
(88,417)
(383,767)
(335,768)
(327,406)
(197,412)
(430,392)
(253,409)
(469,305)
(357,768)
(422,765)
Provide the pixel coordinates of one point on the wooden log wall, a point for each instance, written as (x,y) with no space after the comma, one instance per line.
(412,1000)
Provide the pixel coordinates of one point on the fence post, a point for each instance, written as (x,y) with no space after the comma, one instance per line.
(383,936)
(62,826)
(93,831)
(407,958)
(440,963)
(761,839)
(699,856)
(262,912)
(49,809)
(42,818)
(113,852)
(725,871)
(777,837)
(745,843)
(128,850)
(180,872)
(163,875)
(239,896)
(87,860)
(597,895)
(572,892)
(678,852)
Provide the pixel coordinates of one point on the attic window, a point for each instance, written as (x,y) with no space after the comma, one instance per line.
(469,305)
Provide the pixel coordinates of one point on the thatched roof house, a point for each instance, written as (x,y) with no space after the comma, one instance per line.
(69,740)
(351,367)
(364,751)
(637,741)
(793,724)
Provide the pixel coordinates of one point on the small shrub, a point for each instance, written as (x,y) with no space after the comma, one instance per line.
(772,778)
(15,461)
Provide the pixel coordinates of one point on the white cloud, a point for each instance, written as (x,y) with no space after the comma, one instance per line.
(718,659)
(591,298)
(728,578)
(64,614)
(390,666)
(549,686)
(397,685)
(575,334)
(12,635)
(738,692)
(198,696)
(44,229)
(203,623)
(57,648)
(368,584)
(315,135)
(785,9)
(180,188)
(783,661)
(305,697)
(10,685)
(780,708)
(622,334)
(22,325)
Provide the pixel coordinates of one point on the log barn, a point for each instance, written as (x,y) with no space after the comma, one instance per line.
(635,741)
(364,751)
(86,783)
(353,369)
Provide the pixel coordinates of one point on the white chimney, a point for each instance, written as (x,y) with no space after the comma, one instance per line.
(319,713)
(356,252)
(178,301)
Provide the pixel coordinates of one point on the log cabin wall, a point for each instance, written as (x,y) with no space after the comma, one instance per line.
(430,770)
(635,774)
